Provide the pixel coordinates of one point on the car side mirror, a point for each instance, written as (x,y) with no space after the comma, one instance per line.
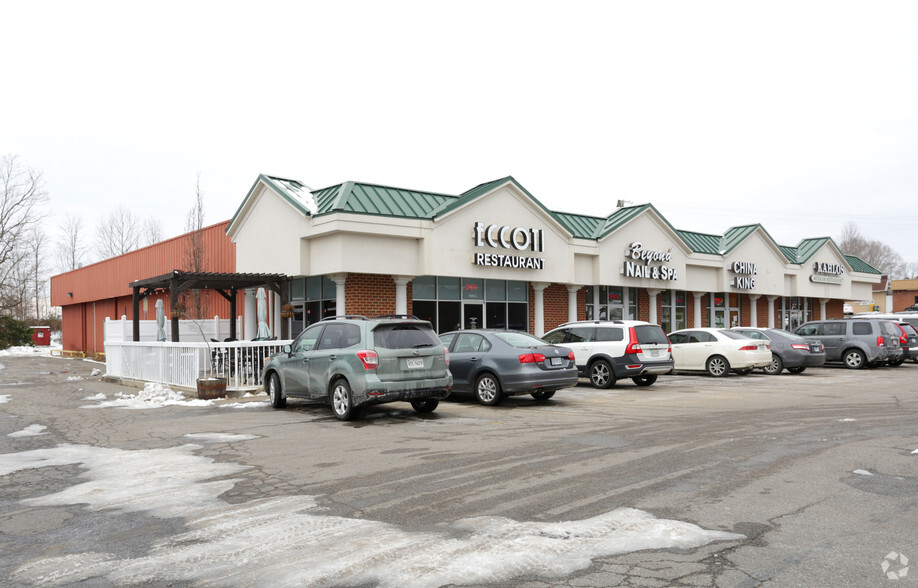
(287,349)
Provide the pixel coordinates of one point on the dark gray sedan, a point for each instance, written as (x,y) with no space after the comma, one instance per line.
(788,351)
(493,364)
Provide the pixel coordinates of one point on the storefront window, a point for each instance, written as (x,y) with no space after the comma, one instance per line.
(454,303)
(313,299)
(614,303)
(795,311)
(673,303)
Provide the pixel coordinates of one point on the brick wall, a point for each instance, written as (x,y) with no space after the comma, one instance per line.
(369,294)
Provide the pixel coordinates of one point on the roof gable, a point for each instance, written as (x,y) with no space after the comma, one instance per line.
(360,198)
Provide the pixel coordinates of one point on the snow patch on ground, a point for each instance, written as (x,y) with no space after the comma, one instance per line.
(74,378)
(153,395)
(25,350)
(916,451)
(4,398)
(862,473)
(30,431)
(847,420)
(238,544)
(98,396)
(219,437)
(264,404)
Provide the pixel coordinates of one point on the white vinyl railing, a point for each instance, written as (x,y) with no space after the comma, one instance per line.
(181,364)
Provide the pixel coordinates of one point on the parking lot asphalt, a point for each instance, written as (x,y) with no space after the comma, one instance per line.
(816,472)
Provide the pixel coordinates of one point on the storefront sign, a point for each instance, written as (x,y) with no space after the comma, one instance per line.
(827,273)
(642,268)
(744,271)
(834,269)
(512,238)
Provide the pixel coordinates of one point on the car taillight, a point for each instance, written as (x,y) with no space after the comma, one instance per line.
(570,356)
(633,345)
(446,356)
(881,342)
(803,346)
(532,358)
(369,359)
(748,348)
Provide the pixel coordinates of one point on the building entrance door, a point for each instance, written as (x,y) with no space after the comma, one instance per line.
(472,315)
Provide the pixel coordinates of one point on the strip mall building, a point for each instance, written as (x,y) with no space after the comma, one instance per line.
(495,257)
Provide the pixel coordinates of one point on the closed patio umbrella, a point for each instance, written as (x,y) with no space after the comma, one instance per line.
(160,321)
(261,311)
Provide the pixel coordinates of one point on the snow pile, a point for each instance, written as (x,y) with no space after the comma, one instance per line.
(318,549)
(153,395)
(98,396)
(30,431)
(25,350)
(862,473)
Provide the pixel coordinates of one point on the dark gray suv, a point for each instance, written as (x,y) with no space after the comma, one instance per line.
(354,361)
(855,342)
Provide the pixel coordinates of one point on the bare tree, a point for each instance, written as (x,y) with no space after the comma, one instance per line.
(118,233)
(196,301)
(21,195)
(39,274)
(70,248)
(152,231)
(876,253)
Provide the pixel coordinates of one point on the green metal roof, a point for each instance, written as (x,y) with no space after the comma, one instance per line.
(378,200)
(808,248)
(701,242)
(581,226)
(859,265)
(789,252)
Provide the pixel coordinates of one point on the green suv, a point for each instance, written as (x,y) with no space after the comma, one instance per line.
(353,361)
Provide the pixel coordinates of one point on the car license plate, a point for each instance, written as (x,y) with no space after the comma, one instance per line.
(415,362)
(654,353)
(557,361)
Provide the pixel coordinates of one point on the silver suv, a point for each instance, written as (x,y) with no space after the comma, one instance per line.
(353,361)
(856,342)
(606,351)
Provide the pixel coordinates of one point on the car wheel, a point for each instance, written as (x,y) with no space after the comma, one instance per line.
(854,359)
(275,393)
(644,380)
(341,400)
(775,367)
(796,370)
(426,405)
(543,395)
(601,375)
(717,366)
(487,390)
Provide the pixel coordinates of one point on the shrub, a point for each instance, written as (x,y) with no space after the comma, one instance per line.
(14,333)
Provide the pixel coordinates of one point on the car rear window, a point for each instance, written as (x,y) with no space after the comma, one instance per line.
(520,339)
(909,329)
(404,336)
(733,334)
(650,335)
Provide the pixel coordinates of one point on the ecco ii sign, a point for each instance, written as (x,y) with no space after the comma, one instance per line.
(512,239)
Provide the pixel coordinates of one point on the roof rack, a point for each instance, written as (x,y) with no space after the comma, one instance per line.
(359,317)
(398,316)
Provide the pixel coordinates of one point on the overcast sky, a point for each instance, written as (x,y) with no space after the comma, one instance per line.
(801,116)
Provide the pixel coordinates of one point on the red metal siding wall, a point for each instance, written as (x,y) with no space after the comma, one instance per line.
(90,294)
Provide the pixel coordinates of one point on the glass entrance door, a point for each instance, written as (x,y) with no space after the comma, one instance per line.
(473,315)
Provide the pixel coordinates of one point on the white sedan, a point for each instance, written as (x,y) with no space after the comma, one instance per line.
(718,351)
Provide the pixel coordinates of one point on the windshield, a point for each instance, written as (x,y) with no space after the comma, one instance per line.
(519,339)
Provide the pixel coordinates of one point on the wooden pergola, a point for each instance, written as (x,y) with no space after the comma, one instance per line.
(227,285)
